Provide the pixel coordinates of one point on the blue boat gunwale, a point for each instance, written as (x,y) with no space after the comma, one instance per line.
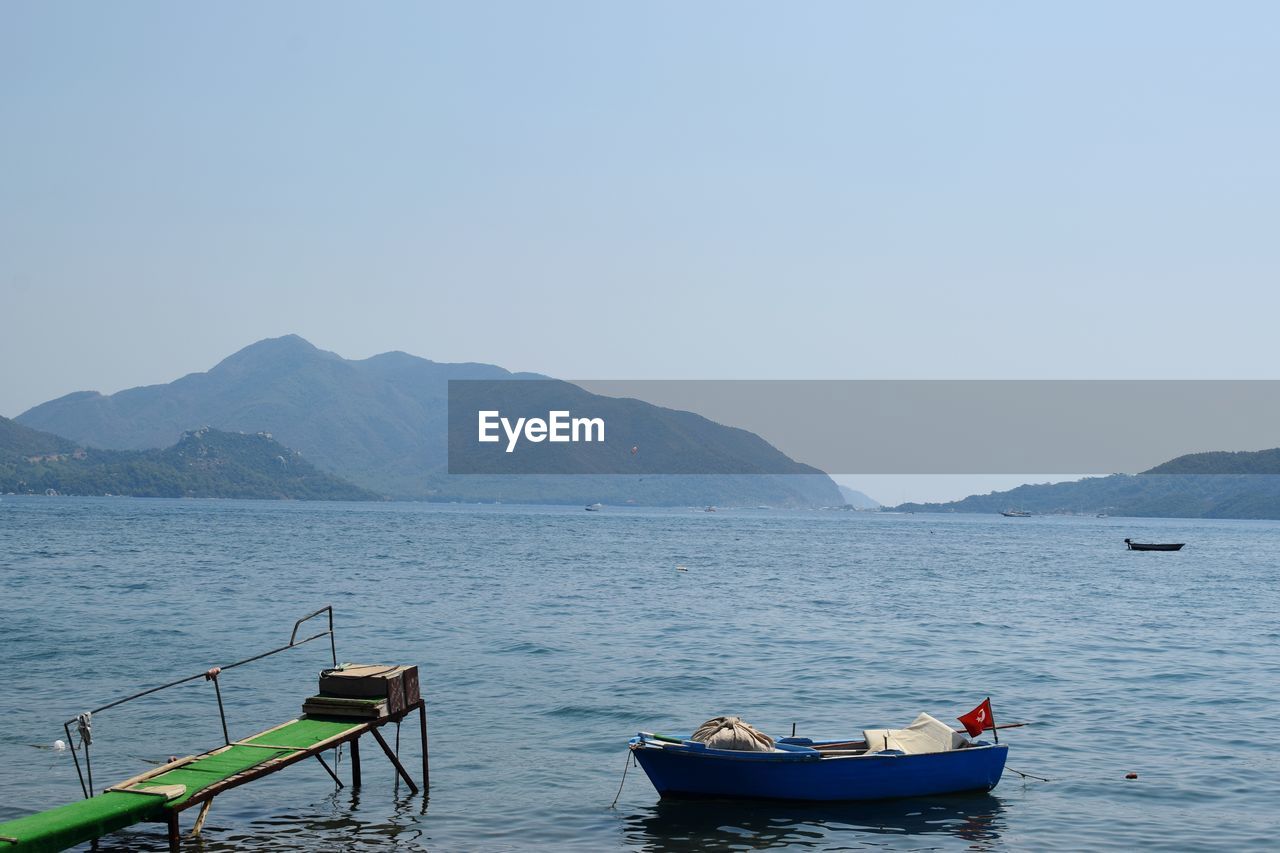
(797,772)
(790,751)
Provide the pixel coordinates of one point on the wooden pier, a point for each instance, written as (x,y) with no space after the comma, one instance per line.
(353,701)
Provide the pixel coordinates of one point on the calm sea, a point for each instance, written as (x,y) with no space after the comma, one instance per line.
(548,636)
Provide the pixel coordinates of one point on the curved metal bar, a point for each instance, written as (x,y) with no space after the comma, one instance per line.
(333,648)
(275,651)
(293,641)
(146,692)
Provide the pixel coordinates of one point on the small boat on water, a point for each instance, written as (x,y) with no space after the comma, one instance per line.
(1015,513)
(595,507)
(926,758)
(1154,546)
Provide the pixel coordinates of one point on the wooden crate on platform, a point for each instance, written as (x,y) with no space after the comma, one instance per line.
(397,684)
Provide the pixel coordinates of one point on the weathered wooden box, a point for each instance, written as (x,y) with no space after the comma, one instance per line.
(397,684)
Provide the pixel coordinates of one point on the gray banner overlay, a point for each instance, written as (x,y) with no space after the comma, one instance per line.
(865,426)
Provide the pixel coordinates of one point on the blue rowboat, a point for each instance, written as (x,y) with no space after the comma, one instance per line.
(801,769)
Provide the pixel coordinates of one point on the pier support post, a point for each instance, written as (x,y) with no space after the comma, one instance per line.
(355,762)
(204,813)
(329,770)
(404,774)
(175,839)
(426,769)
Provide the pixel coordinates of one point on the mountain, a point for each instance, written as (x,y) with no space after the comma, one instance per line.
(382,423)
(1223,462)
(204,463)
(18,442)
(1201,485)
(857,499)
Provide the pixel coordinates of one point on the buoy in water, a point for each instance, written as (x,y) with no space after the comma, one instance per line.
(1131,775)
(59,745)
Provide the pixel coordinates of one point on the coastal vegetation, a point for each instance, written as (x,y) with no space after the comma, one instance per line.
(1200,485)
(204,463)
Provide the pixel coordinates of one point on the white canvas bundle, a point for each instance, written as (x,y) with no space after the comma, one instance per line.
(925,734)
(732,733)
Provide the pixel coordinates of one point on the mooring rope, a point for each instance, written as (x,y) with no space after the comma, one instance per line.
(630,760)
(1029,776)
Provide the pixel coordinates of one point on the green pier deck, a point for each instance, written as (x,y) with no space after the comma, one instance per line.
(161,794)
(75,823)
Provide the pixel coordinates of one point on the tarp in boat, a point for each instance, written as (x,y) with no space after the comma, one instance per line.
(732,733)
(925,734)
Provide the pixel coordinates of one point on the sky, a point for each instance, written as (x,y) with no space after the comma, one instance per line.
(660,190)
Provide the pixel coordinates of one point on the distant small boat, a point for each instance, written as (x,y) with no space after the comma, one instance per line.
(710,509)
(1154,546)
(595,507)
(1102,515)
(1015,513)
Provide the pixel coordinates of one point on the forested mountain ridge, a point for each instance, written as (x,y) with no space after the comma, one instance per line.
(1170,490)
(203,463)
(382,423)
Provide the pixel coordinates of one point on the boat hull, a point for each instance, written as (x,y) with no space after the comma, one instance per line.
(676,772)
(1172,546)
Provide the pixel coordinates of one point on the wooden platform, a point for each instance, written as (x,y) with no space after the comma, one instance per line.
(195,780)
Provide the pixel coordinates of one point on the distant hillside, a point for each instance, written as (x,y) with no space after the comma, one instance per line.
(382,423)
(1223,462)
(857,499)
(204,463)
(1166,495)
(19,442)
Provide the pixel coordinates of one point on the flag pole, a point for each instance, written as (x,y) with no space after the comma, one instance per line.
(994,730)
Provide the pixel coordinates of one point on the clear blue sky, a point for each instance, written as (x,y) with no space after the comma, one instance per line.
(655,190)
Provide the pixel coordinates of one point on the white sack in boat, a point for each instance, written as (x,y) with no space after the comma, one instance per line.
(925,734)
(732,733)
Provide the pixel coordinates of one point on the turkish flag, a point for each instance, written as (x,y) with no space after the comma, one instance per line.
(979,719)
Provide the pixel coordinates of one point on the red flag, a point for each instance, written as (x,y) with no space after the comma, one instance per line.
(979,719)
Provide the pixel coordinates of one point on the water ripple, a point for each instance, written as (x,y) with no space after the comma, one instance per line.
(546,639)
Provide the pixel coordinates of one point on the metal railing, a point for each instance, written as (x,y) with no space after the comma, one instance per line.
(83,722)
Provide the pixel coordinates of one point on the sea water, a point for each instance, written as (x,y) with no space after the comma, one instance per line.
(548,636)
